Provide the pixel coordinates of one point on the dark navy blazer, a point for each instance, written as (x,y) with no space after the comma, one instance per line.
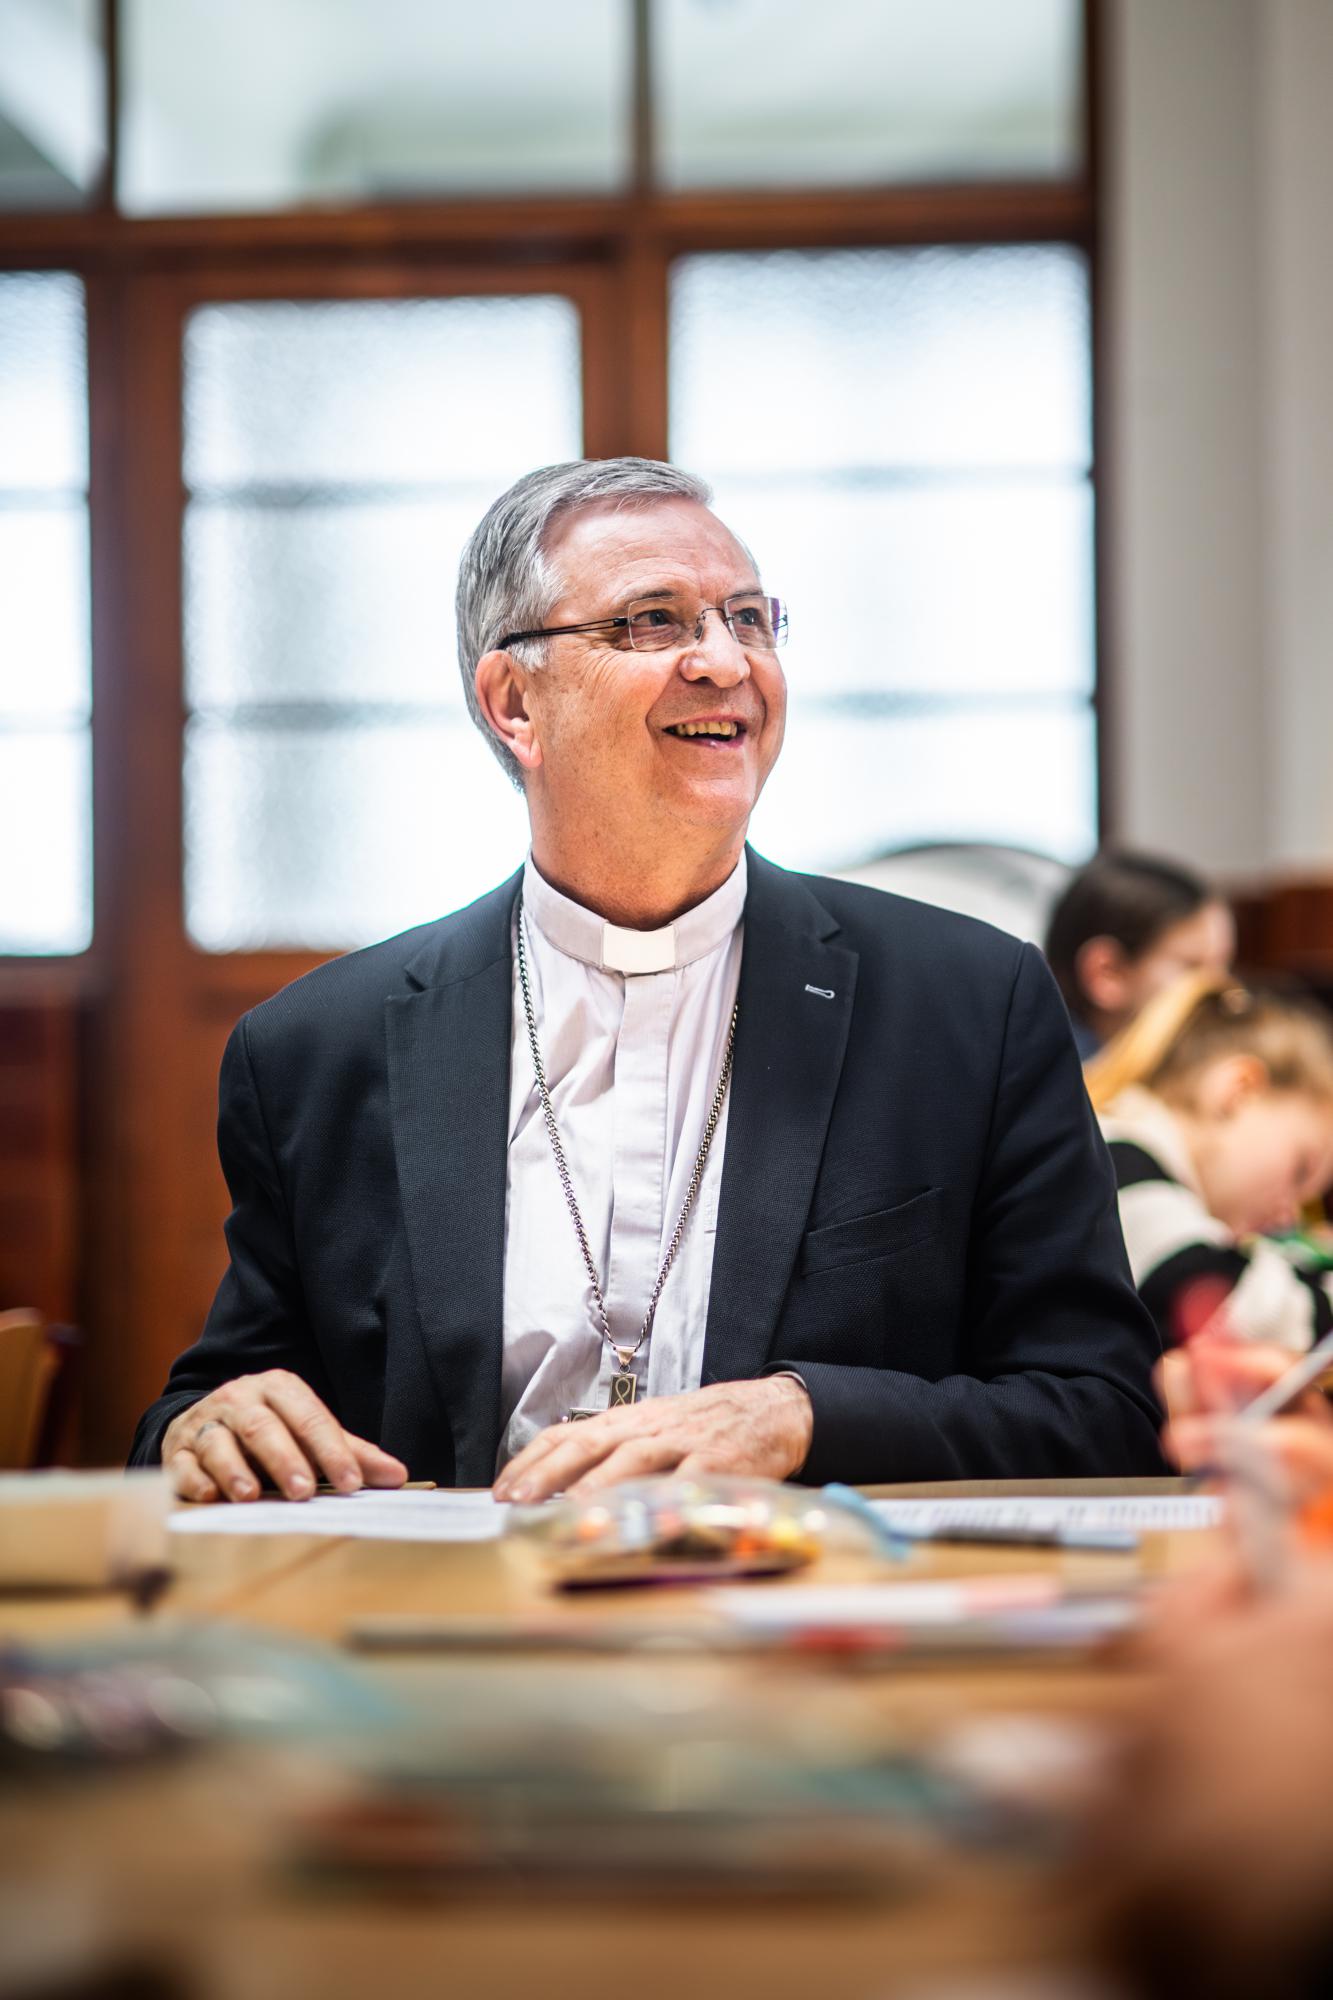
(917,1213)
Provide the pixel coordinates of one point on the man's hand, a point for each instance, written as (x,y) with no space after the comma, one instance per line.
(272,1424)
(761,1427)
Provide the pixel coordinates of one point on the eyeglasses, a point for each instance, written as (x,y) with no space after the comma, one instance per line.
(757,624)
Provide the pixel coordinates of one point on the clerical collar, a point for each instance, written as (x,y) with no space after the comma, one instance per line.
(582,934)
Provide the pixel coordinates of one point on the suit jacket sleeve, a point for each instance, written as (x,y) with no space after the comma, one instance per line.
(258,1318)
(1059,1345)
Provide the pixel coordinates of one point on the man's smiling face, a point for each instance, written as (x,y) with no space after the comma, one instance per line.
(685,736)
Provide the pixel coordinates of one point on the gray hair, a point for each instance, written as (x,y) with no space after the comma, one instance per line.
(506,582)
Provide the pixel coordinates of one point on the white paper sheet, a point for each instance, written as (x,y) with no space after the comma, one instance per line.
(1145,1512)
(445,1516)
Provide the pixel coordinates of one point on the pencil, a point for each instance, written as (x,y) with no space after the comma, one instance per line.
(1303,1375)
(325,1491)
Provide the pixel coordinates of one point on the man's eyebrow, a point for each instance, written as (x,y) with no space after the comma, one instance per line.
(669,594)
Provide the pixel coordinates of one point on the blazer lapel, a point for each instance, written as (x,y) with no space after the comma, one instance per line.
(796,993)
(448,1053)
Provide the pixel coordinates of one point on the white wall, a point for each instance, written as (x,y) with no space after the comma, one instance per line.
(1219,268)
(1297,275)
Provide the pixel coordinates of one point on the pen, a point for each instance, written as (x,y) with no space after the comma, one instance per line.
(886,1537)
(1259,1498)
(897,1541)
(1302,1375)
(1107,1541)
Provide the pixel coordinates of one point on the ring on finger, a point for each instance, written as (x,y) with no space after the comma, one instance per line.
(209,1424)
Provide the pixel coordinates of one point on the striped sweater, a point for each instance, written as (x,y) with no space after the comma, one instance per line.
(1174,1244)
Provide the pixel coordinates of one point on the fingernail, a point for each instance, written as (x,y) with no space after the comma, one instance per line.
(242,1489)
(301,1486)
(350,1482)
(520,1492)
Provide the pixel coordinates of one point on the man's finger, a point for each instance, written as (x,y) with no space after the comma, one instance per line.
(556,1437)
(187,1478)
(638,1458)
(321,1438)
(378,1467)
(221,1457)
(700,1465)
(576,1450)
(264,1437)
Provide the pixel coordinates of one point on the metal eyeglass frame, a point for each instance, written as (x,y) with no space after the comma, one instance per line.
(604,624)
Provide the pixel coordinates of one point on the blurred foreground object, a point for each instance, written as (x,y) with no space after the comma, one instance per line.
(1213,1850)
(83,1530)
(679,1531)
(1207,1385)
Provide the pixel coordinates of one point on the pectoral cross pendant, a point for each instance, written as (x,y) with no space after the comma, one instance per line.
(624,1388)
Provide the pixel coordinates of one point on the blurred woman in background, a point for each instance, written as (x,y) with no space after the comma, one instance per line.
(1126,926)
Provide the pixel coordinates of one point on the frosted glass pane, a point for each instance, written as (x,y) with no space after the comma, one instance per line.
(45,837)
(43,382)
(952,588)
(254,105)
(324,602)
(780,92)
(938,359)
(45,773)
(44,657)
(847,788)
(903,439)
(418,390)
(329,838)
(340,455)
(52,102)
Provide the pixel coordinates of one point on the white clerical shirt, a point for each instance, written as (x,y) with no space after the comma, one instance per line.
(632,1027)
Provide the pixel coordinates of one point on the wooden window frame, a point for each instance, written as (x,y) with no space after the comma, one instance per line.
(626,242)
(148,1004)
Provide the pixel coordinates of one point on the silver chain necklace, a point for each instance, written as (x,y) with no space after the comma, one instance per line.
(624,1386)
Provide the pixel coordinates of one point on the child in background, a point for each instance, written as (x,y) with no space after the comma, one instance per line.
(1126,926)
(1217,1106)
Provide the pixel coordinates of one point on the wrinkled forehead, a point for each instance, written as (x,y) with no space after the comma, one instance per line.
(613,550)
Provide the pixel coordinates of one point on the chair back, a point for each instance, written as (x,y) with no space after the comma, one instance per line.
(28,1366)
(1007,886)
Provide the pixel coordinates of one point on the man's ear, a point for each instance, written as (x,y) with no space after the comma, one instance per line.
(1100,969)
(502,693)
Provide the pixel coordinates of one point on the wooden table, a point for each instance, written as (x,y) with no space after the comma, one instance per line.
(175,1868)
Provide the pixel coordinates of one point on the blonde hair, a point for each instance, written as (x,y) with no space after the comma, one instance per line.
(1206,1015)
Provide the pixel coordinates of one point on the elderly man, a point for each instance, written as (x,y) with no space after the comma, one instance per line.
(656,1157)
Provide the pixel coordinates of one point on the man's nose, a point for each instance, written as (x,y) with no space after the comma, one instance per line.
(712,653)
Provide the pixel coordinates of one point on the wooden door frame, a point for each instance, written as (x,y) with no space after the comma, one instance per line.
(157,994)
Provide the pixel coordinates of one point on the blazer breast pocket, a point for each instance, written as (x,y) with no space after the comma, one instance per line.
(864,1239)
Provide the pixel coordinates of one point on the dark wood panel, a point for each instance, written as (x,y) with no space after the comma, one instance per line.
(39,1158)
(646,305)
(1286,929)
(582,227)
